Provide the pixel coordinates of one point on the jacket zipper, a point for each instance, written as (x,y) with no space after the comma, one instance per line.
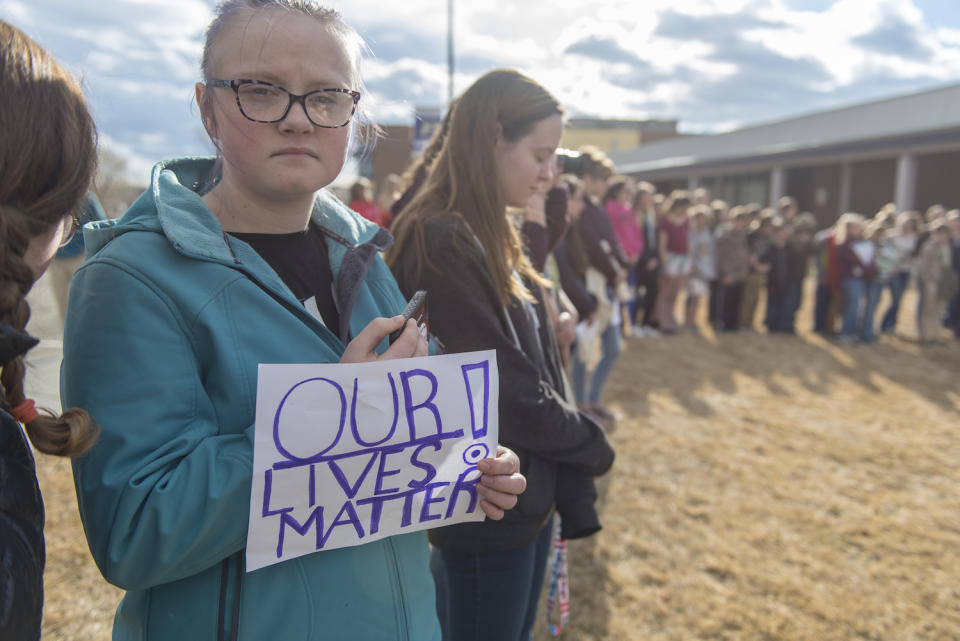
(222,607)
(403,632)
(233,624)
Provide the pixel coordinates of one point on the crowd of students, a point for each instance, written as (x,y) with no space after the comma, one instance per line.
(622,256)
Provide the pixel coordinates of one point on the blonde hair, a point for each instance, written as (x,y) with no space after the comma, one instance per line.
(365,131)
(843,226)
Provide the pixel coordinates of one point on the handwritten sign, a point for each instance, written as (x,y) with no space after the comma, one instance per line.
(345,454)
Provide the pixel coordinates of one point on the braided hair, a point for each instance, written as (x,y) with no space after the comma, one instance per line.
(47,160)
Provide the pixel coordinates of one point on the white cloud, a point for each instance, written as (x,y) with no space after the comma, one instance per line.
(720,62)
(16,13)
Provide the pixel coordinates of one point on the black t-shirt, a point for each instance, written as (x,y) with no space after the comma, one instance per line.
(301,261)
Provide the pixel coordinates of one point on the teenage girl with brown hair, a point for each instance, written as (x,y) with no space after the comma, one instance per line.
(47,159)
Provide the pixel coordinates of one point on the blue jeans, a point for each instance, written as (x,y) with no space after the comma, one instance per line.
(854,291)
(492,595)
(872,292)
(897,284)
(610,344)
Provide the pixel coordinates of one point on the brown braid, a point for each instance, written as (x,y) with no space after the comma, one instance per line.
(47,161)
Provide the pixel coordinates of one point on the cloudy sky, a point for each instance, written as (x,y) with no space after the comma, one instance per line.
(713,65)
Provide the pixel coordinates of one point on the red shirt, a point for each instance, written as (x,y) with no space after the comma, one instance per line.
(678,235)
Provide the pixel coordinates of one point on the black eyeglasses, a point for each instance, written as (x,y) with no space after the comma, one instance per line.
(266,102)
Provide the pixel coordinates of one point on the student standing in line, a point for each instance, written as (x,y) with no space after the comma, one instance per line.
(604,255)
(219,266)
(778,260)
(617,202)
(703,263)
(758,240)
(47,160)
(674,243)
(904,239)
(733,264)
(456,239)
(855,264)
(648,267)
(934,265)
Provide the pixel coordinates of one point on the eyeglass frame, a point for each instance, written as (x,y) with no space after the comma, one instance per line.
(66,237)
(292,98)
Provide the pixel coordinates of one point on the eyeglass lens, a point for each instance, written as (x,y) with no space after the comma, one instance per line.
(267,103)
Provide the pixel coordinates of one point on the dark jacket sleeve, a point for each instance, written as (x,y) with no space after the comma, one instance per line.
(595,227)
(466,315)
(573,285)
(21,536)
(576,502)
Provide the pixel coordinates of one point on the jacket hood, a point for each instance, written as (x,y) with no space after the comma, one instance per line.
(172,206)
(13,343)
(171,203)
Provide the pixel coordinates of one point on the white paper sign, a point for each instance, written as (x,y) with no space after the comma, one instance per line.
(345,454)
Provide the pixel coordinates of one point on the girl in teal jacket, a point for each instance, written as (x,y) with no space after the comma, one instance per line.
(177,304)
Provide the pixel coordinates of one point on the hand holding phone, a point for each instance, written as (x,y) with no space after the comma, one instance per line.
(416,309)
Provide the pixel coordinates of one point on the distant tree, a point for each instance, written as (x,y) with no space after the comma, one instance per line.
(111,184)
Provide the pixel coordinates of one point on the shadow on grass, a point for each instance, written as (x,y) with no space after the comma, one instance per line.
(690,367)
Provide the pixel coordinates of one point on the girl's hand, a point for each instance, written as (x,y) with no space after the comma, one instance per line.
(362,348)
(501,483)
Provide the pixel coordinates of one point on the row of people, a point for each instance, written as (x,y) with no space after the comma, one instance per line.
(727,256)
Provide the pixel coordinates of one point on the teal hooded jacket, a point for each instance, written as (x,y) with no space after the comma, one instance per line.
(167,322)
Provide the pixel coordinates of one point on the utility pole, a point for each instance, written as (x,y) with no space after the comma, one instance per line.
(449,52)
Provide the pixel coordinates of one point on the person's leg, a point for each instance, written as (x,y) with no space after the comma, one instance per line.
(542,548)
(896,285)
(610,344)
(794,295)
(439,569)
(749,300)
(821,303)
(633,282)
(928,319)
(733,295)
(771,319)
(872,297)
(661,309)
(852,294)
(487,596)
(690,310)
(712,296)
(921,293)
(719,303)
(652,288)
(834,310)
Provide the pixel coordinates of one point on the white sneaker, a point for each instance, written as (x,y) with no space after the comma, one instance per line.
(637,332)
(651,332)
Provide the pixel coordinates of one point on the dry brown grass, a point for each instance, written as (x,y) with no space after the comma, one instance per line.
(765,488)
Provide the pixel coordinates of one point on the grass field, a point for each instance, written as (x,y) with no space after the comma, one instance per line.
(765,487)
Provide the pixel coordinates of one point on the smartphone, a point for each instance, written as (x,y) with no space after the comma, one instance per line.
(416,309)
